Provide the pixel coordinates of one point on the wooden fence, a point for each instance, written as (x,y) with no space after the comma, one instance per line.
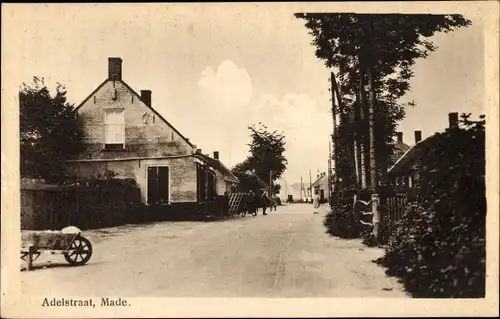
(86,208)
(395,208)
(387,209)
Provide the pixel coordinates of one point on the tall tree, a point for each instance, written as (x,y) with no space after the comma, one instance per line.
(384,46)
(49,129)
(266,159)
(267,152)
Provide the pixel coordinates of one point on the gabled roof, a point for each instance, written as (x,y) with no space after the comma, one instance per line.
(402,146)
(139,97)
(407,157)
(319,180)
(216,164)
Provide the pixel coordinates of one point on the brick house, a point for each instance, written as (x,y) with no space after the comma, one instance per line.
(124,134)
(405,173)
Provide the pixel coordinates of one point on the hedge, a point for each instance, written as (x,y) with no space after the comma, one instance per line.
(340,221)
(438,248)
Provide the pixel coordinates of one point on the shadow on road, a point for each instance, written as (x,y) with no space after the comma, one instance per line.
(49,265)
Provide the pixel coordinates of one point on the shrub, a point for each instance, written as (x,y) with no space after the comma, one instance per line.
(340,221)
(438,248)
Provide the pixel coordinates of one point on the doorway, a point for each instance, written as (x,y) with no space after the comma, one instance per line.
(158,185)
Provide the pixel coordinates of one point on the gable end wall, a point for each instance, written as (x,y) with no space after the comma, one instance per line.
(146,135)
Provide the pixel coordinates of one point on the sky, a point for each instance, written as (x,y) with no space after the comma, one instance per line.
(215,72)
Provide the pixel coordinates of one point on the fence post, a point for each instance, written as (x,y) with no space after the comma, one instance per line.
(29,262)
(376,216)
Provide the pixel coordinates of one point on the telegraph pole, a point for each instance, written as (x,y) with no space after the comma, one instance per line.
(302,188)
(310,186)
(329,176)
(333,152)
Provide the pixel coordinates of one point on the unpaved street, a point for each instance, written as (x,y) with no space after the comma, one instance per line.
(284,254)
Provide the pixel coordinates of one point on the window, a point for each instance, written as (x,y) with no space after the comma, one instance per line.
(114,129)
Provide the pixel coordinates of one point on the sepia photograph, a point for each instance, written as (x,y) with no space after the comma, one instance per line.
(275,152)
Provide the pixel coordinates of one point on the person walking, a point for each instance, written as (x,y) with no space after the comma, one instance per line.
(316,203)
(274,202)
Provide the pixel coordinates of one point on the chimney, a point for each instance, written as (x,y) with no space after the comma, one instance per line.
(216,155)
(146,97)
(198,150)
(317,176)
(399,137)
(418,136)
(453,120)
(114,69)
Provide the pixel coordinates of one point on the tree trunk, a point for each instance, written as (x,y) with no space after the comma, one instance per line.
(342,115)
(356,161)
(371,126)
(361,120)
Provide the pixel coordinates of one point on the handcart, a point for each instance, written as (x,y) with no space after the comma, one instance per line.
(69,242)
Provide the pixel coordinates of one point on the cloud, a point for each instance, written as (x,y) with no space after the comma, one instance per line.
(229,86)
(222,103)
(229,105)
(298,115)
(306,125)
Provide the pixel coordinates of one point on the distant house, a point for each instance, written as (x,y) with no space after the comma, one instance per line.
(124,134)
(320,186)
(405,172)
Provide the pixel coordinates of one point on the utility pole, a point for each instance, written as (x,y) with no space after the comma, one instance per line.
(310,186)
(332,160)
(333,89)
(329,176)
(302,188)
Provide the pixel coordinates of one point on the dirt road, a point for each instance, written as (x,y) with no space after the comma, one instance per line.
(284,254)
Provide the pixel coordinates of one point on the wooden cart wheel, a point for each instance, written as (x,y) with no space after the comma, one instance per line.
(80,251)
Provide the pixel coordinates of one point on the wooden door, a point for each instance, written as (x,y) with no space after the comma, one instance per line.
(158,185)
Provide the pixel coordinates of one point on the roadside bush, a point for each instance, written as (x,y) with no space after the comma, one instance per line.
(438,248)
(340,221)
